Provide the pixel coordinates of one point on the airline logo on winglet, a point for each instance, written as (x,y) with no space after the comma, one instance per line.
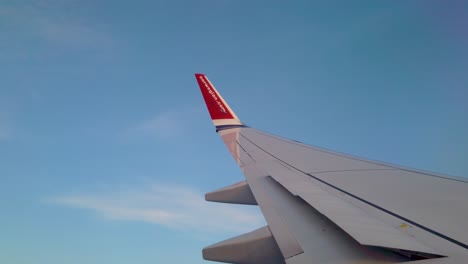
(213,95)
(220,112)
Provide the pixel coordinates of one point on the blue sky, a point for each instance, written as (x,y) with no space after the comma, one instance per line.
(106,148)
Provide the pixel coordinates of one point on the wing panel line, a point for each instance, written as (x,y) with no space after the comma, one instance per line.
(362,159)
(461,244)
(237,142)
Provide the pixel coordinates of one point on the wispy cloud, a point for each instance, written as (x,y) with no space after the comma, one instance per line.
(70,33)
(49,21)
(5,129)
(5,132)
(162,126)
(171,206)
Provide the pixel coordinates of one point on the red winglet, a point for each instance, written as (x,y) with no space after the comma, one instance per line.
(219,110)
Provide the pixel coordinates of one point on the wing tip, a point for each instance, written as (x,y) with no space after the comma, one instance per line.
(220,112)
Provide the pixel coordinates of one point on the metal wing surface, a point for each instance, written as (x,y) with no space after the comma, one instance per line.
(327,207)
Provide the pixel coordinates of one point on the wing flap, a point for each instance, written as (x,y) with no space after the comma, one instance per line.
(347,216)
(238,193)
(257,246)
(259,183)
(303,234)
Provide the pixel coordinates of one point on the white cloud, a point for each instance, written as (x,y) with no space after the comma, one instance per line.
(171,206)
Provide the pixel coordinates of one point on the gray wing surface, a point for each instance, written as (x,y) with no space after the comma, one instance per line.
(327,207)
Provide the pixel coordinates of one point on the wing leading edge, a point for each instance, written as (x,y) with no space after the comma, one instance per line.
(327,207)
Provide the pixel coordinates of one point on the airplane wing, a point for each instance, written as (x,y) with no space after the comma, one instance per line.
(327,207)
